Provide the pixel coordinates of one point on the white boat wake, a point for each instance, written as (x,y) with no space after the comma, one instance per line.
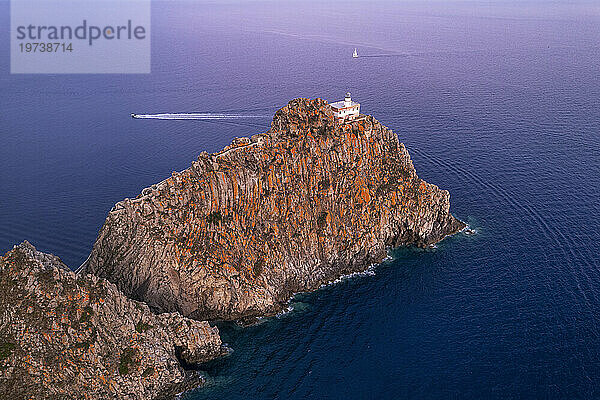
(200,116)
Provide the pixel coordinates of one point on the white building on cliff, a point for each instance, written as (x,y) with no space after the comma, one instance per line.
(347,109)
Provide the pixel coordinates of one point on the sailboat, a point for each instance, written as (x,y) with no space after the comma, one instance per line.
(355,54)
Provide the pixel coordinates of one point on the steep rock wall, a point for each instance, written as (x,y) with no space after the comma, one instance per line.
(238,232)
(64,336)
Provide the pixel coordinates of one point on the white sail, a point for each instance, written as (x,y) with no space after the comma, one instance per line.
(355,54)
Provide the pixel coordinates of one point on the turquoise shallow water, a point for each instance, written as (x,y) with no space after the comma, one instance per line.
(496,102)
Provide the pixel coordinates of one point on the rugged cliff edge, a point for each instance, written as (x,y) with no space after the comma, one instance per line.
(237,233)
(64,336)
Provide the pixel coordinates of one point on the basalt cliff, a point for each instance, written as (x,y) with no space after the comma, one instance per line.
(238,232)
(64,336)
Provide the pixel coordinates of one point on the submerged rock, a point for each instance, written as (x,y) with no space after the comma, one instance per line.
(64,336)
(237,233)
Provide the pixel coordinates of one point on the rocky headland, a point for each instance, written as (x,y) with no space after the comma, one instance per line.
(239,231)
(232,237)
(68,336)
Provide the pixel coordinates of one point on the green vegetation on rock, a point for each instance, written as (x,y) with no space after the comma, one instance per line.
(127,360)
(6,349)
(142,327)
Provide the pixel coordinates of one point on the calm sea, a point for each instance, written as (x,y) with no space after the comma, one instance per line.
(498,102)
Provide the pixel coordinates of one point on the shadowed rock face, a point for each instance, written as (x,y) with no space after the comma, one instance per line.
(234,235)
(64,336)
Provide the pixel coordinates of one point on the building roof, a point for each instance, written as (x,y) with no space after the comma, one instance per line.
(340,104)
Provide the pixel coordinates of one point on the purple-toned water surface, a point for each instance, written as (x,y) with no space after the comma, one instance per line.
(497,102)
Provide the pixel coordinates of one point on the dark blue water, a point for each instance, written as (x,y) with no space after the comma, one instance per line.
(498,102)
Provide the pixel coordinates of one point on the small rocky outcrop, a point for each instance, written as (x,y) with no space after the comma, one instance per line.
(64,336)
(237,233)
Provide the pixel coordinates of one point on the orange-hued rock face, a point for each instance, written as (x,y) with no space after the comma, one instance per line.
(238,232)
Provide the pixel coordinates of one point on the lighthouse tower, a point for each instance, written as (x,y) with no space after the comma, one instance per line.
(348,100)
(346,110)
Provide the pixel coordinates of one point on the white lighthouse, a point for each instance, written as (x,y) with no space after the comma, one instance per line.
(347,109)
